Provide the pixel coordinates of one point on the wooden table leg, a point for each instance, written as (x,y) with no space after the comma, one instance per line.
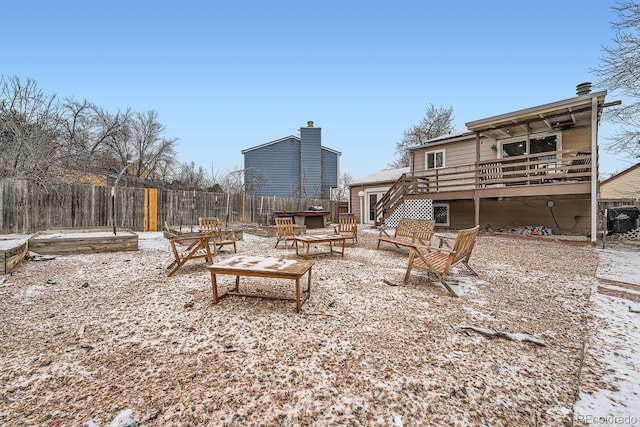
(298,293)
(214,286)
(308,246)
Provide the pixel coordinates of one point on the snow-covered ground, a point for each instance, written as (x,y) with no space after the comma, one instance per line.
(108,339)
(616,343)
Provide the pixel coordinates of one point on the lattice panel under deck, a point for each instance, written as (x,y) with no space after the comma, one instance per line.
(411,209)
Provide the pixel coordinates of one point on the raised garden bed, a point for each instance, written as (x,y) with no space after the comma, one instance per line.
(65,241)
(270,230)
(12,252)
(227,234)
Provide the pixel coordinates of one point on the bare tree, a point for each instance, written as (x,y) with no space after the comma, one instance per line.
(619,73)
(30,135)
(232,181)
(342,191)
(254,181)
(43,139)
(191,177)
(149,145)
(240,180)
(436,122)
(87,130)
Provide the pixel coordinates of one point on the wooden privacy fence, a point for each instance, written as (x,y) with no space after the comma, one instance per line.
(27,208)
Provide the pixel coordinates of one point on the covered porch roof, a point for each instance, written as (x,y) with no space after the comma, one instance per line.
(565,114)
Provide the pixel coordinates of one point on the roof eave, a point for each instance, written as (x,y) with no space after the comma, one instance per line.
(433,143)
(246,150)
(533,112)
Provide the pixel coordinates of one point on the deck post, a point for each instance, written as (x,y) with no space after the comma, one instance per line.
(594,169)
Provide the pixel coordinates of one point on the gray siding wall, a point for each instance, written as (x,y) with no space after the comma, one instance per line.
(329,172)
(310,162)
(276,167)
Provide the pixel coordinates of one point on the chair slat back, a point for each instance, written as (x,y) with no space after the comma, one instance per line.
(284,227)
(420,228)
(347,223)
(211,225)
(464,244)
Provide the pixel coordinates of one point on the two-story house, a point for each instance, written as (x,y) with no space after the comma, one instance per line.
(292,166)
(531,167)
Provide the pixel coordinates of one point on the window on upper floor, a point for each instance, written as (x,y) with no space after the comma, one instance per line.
(434,159)
(537,144)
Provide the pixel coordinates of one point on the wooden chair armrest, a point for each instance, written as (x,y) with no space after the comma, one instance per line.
(179,238)
(444,240)
(383,232)
(430,248)
(422,242)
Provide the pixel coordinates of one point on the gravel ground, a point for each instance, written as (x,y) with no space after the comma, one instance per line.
(86,337)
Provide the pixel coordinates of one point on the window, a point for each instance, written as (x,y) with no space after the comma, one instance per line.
(441,213)
(537,144)
(434,159)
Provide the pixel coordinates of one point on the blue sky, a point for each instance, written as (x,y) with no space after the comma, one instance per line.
(225,76)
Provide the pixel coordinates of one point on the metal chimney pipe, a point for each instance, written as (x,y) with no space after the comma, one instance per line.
(583,88)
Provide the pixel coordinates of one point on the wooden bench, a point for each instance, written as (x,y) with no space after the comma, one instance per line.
(439,261)
(408,233)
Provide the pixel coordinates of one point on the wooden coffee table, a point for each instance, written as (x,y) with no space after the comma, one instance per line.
(269,267)
(310,239)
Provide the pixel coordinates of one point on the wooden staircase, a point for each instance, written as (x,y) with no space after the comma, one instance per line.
(404,186)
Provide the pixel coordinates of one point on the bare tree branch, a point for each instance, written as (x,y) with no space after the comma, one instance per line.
(436,122)
(619,72)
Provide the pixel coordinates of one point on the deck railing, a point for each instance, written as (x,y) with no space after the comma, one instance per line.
(405,185)
(551,167)
(540,168)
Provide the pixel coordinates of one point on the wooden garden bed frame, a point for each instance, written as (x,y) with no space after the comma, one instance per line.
(65,241)
(12,254)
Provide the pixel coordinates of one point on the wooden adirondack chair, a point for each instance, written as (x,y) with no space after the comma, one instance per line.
(284,231)
(347,226)
(439,261)
(212,225)
(188,247)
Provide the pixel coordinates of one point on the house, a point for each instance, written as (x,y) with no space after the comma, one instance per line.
(622,186)
(292,166)
(530,167)
(376,185)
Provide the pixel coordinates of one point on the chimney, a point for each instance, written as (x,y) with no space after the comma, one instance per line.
(309,124)
(583,88)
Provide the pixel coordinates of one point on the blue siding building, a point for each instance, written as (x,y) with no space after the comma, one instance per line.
(292,166)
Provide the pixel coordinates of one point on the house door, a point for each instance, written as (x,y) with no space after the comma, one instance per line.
(371,199)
